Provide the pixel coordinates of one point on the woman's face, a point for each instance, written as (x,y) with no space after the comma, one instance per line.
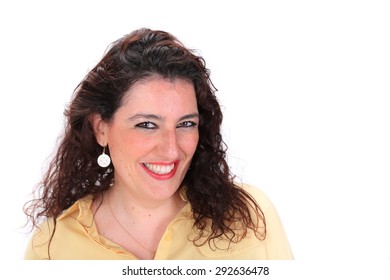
(153,137)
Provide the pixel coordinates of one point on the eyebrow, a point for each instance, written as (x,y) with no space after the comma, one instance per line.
(157,117)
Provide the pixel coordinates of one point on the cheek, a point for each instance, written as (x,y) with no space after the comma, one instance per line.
(189,143)
(126,146)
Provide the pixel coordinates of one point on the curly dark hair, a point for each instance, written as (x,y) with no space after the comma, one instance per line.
(74,173)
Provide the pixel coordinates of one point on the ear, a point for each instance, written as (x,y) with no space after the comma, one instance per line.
(100,128)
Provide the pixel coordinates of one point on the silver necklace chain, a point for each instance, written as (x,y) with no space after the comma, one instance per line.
(125,230)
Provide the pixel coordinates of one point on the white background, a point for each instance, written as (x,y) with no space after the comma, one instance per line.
(304,86)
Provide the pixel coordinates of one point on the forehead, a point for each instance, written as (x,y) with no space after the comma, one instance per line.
(157,93)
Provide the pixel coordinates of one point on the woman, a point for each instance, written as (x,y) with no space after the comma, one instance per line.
(141,172)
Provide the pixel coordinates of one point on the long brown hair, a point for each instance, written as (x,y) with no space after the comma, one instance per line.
(74,173)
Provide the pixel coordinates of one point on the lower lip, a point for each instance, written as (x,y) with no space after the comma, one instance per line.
(162,176)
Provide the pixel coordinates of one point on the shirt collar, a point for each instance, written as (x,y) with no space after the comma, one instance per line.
(83,207)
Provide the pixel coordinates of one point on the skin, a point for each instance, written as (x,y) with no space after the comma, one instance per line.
(152,139)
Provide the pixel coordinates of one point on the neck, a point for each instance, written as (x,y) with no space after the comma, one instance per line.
(137,208)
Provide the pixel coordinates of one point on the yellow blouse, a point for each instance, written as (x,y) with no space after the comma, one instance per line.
(77,238)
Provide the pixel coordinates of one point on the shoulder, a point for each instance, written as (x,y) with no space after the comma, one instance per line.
(51,230)
(38,245)
(276,239)
(264,202)
(258,195)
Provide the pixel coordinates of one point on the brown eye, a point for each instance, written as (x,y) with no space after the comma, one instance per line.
(147,125)
(187,124)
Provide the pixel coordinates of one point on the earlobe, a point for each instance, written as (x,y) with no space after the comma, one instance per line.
(100,129)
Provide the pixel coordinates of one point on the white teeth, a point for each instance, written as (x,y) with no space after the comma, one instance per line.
(160,169)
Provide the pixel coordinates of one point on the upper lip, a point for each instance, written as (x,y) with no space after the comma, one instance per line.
(162,163)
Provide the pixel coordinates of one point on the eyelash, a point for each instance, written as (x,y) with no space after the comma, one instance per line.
(146,125)
(150,125)
(187,124)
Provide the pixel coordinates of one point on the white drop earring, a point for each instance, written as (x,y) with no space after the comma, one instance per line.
(104,160)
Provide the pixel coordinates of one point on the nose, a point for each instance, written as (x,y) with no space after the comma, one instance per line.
(168,146)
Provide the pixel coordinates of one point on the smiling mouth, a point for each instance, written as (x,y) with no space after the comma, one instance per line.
(160,169)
